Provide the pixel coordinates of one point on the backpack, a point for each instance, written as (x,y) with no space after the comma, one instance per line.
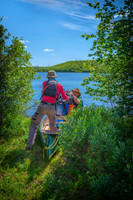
(50,89)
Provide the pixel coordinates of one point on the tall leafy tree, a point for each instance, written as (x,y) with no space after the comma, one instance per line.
(16,76)
(112,76)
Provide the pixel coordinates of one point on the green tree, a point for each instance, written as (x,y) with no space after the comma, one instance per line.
(16,75)
(112,49)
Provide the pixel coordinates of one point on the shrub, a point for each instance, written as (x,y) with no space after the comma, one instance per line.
(16,76)
(95,163)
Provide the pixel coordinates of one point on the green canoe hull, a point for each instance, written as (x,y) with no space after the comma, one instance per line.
(49,141)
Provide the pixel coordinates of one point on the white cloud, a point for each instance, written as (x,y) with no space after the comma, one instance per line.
(69,7)
(22,41)
(27,41)
(81,16)
(76,9)
(117,15)
(57,4)
(120,15)
(48,50)
(73,26)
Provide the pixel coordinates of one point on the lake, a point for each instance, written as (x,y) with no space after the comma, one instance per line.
(69,81)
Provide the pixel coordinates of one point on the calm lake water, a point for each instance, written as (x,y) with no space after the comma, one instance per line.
(69,81)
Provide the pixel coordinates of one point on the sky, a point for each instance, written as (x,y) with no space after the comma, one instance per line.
(51,29)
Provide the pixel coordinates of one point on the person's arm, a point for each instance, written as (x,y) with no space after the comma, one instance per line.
(77,101)
(61,91)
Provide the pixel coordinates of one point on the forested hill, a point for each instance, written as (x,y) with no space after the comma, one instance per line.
(70,66)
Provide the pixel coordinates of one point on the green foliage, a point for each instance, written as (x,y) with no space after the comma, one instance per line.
(70,66)
(112,48)
(97,162)
(21,171)
(16,75)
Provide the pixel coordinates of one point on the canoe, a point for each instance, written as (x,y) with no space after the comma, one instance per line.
(49,141)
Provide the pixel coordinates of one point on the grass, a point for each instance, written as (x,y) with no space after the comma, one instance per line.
(21,171)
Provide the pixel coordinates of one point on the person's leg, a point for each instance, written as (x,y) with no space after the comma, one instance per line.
(52,119)
(35,121)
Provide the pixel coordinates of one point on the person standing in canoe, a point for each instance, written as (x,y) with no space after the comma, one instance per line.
(51,89)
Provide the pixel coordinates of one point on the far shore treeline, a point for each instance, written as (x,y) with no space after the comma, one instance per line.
(70,66)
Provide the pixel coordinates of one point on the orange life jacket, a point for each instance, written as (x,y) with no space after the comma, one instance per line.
(71,106)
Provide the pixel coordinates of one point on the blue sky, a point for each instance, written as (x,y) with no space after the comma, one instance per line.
(51,29)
